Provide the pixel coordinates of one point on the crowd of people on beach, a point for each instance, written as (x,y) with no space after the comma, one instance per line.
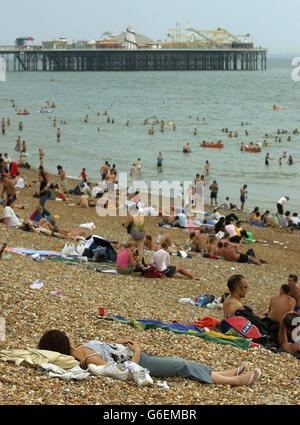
(218,237)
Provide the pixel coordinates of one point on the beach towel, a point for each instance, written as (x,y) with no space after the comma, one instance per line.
(206,322)
(34,357)
(42,253)
(192,329)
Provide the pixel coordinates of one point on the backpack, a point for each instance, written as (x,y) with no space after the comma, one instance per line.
(152,272)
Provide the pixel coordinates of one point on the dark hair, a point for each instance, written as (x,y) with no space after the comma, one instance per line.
(55,340)
(234,281)
(288,320)
(294,276)
(165,245)
(286,288)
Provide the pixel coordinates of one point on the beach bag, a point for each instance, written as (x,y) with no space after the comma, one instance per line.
(68,249)
(239,326)
(204,299)
(94,242)
(152,272)
(100,254)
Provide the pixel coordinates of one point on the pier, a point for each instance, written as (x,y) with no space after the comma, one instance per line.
(38,58)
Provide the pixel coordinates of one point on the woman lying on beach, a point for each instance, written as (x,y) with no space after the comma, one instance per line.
(74,234)
(124,360)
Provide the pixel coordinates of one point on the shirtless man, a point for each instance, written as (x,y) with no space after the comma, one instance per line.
(281,304)
(295,290)
(237,285)
(211,247)
(150,245)
(230,254)
(132,172)
(8,188)
(41,154)
(104,170)
(243,192)
(62,176)
(186,148)
(213,194)
(58,134)
(200,241)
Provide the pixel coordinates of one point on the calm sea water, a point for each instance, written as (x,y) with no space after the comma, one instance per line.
(224,99)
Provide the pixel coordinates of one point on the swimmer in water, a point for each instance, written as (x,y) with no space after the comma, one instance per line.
(207,167)
(267,157)
(138,166)
(186,148)
(195,132)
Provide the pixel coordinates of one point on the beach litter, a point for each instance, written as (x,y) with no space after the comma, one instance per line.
(59,294)
(37,284)
(163,385)
(88,226)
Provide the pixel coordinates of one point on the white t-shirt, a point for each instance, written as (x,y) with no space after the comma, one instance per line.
(282,200)
(12,218)
(216,216)
(226,204)
(161,260)
(230,229)
(20,184)
(295,220)
(182,220)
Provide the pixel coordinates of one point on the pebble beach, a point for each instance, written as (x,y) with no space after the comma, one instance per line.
(28,313)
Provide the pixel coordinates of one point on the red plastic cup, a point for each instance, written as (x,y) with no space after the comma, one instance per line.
(101,311)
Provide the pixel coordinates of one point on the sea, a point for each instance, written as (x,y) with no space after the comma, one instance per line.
(207,100)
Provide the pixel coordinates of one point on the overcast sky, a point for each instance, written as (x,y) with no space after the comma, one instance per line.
(274,24)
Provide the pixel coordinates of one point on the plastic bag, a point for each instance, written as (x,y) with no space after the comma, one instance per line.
(88,226)
(68,249)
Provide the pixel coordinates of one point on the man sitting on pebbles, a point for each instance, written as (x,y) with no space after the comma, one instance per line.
(230,253)
(237,285)
(161,261)
(281,304)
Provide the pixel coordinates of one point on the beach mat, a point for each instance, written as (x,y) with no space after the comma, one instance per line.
(193,330)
